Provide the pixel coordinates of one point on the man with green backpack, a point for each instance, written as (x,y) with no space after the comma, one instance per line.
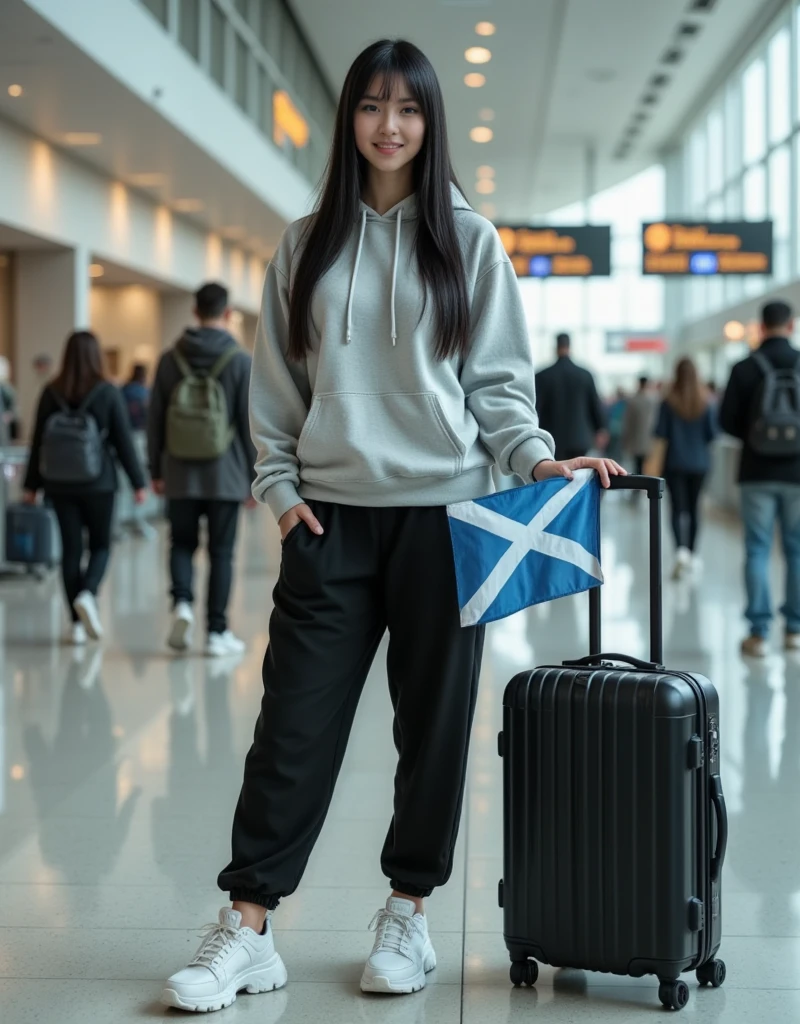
(202,460)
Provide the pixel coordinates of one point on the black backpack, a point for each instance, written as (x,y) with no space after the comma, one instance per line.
(775,418)
(73,446)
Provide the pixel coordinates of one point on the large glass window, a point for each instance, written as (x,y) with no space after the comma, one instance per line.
(715,152)
(754,99)
(218,29)
(697,171)
(780,100)
(780,200)
(733,129)
(242,71)
(189,27)
(754,193)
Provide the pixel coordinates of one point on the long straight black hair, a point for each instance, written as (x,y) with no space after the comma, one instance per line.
(441,265)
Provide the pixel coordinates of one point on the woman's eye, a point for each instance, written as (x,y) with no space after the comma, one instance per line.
(369,108)
(410,110)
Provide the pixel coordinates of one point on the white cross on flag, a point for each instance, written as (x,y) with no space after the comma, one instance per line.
(525,546)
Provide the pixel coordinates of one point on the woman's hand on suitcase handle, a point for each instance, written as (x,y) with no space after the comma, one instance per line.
(605,468)
(29,497)
(299,514)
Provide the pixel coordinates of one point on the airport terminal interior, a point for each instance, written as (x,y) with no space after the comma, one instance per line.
(641,163)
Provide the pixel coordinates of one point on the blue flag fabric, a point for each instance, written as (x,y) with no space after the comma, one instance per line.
(525,546)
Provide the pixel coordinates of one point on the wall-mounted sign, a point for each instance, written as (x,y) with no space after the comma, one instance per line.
(558,252)
(636,341)
(705,249)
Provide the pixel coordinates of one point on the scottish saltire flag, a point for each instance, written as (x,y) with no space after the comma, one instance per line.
(525,546)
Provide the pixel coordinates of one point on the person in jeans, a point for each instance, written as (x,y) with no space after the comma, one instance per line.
(685,428)
(136,394)
(569,406)
(371,411)
(770,486)
(82,506)
(213,489)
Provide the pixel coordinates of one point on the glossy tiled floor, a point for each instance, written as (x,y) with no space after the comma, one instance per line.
(119,771)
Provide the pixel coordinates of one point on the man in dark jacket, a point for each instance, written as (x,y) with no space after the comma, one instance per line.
(770,486)
(569,406)
(214,488)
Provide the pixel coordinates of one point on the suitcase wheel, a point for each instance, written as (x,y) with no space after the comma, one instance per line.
(524,972)
(673,994)
(713,973)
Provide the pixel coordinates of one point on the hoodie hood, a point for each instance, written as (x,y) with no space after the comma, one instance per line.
(406,210)
(202,346)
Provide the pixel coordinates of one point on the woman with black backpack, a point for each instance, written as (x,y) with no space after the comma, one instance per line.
(80,421)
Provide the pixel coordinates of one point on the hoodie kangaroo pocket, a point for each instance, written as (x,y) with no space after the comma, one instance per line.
(360,439)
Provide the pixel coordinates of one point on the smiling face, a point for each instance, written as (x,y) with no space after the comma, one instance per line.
(389,132)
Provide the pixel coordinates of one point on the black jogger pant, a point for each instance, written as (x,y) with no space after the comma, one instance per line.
(75,512)
(184,517)
(684,493)
(372,569)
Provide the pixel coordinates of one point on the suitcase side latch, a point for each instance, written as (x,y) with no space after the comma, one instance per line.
(697,915)
(697,753)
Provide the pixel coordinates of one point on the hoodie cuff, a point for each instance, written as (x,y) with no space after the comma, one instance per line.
(280,498)
(528,455)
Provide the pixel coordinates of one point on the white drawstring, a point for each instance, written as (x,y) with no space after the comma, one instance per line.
(394,274)
(355,275)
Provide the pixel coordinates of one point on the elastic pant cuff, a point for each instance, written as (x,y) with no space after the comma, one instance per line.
(410,890)
(260,899)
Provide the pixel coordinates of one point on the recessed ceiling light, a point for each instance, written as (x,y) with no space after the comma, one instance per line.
(485,171)
(480,133)
(485,186)
(188,205)
(478,55)
(81,138)
(96,270)
(485,28)
(486,114)
(474,80)
(147,180)
(15,90)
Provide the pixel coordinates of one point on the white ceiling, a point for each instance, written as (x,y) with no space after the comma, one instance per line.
(564,74)
(66,91)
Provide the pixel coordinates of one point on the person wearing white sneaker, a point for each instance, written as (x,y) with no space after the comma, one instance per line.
(231,957)
(221,645)
(202,459)
(81,425)
(403,953)
(180,634)
(369,417)
(77,635)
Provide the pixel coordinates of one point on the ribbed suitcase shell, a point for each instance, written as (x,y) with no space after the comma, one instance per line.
(609,828)
(32,535)
(614,821)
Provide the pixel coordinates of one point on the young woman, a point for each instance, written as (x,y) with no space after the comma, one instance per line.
(686,426)
(392,369)
(82,504)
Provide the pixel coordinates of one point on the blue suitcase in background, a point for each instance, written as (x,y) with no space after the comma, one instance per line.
(32,537)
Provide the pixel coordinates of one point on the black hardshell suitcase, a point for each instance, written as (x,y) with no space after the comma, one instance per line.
(614,820)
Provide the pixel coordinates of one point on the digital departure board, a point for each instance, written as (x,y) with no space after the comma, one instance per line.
(698,248)
(558,252)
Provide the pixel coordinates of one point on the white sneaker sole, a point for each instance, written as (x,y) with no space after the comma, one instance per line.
(372,982)
(94,629)
(179,638)
(265,978)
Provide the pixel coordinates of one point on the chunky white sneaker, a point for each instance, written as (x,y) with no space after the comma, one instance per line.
(229,959)
(180,635)
(220,644)
(77,634)
(402,954)
(86,607)
(683,563)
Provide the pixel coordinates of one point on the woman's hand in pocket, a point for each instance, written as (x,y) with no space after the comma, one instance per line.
(299,514)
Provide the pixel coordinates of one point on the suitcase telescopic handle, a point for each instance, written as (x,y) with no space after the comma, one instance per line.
(718,803)
(653,486)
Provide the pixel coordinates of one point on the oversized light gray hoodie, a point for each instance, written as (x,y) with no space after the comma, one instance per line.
(370,417)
